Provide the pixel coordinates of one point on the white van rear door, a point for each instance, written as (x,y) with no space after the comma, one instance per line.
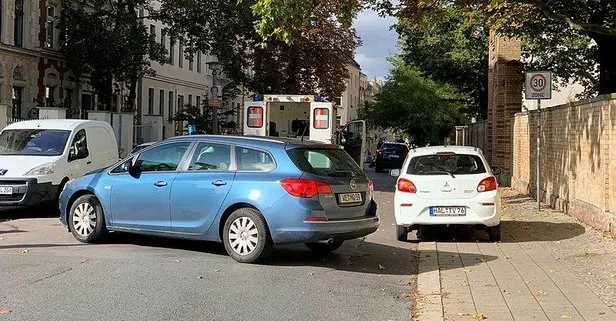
(321,122)
(255,122)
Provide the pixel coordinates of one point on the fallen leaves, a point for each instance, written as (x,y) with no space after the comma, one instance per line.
(467,270)
(542,292)
(479,317)
(566,315)
(553,270)
(200,277)
(5,311)
(23,251)
(178,261)
(382,267)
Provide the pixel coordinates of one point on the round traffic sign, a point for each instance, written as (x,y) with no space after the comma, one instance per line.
(538,82)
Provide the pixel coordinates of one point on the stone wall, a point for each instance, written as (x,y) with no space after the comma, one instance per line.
(577,142)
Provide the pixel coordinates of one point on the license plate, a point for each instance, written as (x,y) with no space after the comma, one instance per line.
(6,190)
(350,198)
(448,211)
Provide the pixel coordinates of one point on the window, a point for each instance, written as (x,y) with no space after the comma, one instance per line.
(181,54)
(198,101)
(161,102)
(79,146)
(18,27)
(190,100)
(170,106)
(254,160)
(199,61)
(191,63)
(255,117)
(165,158)
(50,93)
(68,98)
(163,38)
(153,31)
(150,101)
(171,50)
(180,102)
(52,23)
(446,164)
(321,118)
(211,157)
(325,162)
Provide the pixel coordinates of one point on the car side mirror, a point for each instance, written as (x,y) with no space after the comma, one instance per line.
(133,165)
(497,170)
(394,172)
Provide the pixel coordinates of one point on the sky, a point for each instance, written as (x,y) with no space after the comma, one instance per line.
(378,43)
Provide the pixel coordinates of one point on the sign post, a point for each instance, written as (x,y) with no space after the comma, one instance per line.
(538,86)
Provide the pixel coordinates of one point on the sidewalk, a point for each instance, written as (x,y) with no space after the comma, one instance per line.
(547,267)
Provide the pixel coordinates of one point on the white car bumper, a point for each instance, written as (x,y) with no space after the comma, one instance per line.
(485,209)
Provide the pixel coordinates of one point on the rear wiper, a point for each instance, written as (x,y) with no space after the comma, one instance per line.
(341,174)
(441,172)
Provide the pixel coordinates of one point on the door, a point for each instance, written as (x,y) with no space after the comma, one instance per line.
(199,192)
(79,155)
(140,199)
(321,122)
(255,123)
(353,138)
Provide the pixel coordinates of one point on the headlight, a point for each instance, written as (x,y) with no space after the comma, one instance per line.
(45,169)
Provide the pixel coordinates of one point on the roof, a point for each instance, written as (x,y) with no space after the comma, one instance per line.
(253,140)
(66,124)
(455,149)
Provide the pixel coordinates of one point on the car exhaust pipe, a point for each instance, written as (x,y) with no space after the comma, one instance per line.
(328,241)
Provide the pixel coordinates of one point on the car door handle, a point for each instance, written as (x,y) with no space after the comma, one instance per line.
(219,182)
(160,184)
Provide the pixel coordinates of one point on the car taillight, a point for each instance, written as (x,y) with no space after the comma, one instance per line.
(404,185)
(487,184)
(371,185)
(305,188)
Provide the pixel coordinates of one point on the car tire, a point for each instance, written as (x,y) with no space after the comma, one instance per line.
(86,219)
(246,236)
(494,233)
(401,233)
(324,248)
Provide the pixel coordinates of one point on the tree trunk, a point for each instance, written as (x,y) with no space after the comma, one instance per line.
(607,63)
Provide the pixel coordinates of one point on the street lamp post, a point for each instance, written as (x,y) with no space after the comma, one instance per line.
(215,67)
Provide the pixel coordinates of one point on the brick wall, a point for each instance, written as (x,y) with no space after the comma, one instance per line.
(577,142)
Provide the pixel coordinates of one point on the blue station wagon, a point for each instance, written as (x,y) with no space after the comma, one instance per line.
(248,193)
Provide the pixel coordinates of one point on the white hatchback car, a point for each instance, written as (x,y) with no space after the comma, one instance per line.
(446,185)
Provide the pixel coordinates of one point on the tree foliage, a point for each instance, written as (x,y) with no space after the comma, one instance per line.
(450,47)
(424,109)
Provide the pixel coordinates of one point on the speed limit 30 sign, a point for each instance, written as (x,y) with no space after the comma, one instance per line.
(538,85)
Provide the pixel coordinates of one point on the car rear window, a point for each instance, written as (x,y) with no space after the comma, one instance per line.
(456,164)
(398,149)
(325,162)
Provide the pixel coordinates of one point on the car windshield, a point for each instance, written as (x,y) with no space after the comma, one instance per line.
(451,164)
(325,162)
(395,148)
(33,142)
(138,148)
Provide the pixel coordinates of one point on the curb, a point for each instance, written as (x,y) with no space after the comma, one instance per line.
(429,305)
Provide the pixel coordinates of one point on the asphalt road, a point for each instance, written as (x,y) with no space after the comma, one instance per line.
(45,274)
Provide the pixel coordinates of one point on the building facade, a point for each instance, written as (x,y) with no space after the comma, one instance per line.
(350,100)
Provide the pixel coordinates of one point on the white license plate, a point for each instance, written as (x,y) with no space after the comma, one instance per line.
(448,211)
(6,190)
(350,198)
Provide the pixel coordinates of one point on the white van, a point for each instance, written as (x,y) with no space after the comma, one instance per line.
(37,157)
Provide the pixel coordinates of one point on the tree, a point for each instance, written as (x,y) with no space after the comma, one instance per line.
(450,47)
(424,109)
(108,41)
(202,116)
(567,25)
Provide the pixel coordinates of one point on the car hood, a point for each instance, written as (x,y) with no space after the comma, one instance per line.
(18,166)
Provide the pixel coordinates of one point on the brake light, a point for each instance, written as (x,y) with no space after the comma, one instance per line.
(487,184)
(404,185)
(371,185)
(305,188)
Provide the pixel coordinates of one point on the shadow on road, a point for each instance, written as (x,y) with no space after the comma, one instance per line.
(525,231)
(34,212)
(34,246)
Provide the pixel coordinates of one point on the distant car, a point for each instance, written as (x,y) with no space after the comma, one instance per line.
(248,193)
(140,147)
(450,185)
(390,156)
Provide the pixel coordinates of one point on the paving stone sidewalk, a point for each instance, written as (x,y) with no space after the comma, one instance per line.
(548,266)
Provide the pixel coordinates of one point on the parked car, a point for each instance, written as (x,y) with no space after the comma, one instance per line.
(390,156)
(140,147)
(248,193)
(38,157)
(450,185)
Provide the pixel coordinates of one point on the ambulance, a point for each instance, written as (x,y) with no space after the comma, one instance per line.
(306,117)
